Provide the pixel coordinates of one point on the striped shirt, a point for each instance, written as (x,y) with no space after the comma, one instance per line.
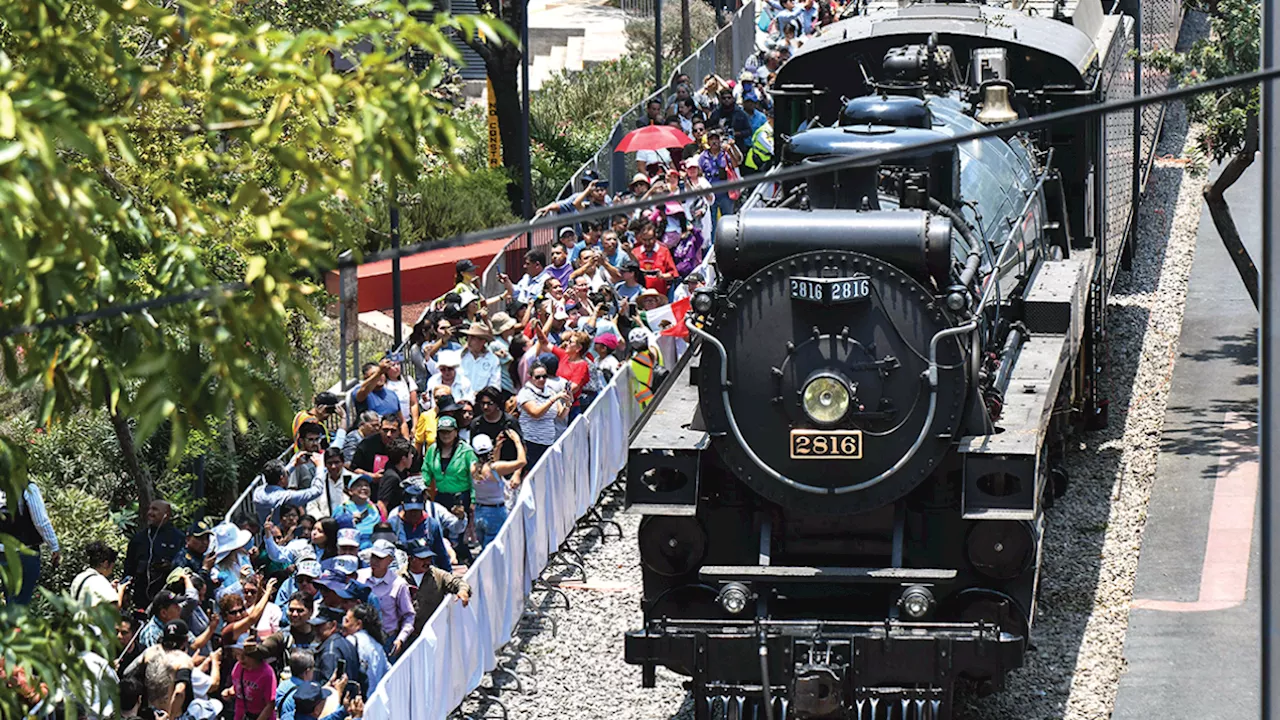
(34,502)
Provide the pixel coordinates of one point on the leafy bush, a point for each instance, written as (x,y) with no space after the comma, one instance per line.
(79,517)
(702,25)
(596,96)
(441,204)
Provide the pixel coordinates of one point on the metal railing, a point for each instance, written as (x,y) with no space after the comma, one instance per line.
(638,8)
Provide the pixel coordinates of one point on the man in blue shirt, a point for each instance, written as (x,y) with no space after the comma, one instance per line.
(750,105)
(272,495)
(334,647)
(373,393)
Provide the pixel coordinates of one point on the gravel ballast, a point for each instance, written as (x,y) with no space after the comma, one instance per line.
(1092,541)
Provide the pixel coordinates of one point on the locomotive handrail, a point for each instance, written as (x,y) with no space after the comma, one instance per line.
(930,375)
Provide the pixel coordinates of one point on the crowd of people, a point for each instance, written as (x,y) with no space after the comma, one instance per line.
(394,487)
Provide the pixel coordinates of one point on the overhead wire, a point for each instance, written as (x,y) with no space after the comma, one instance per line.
(606,211)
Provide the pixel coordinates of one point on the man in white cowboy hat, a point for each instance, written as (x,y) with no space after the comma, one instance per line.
(478,365)
(447,364)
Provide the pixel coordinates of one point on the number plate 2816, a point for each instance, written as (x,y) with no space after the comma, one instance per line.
(830,291)
(826,444)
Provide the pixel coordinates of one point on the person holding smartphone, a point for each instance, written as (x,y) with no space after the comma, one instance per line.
(336,656)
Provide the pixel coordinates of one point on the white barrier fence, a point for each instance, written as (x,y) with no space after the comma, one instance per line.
(458,645)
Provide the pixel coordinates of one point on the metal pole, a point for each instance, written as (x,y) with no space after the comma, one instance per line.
(395,264)
(1138,160)
(527,167)
(657,46)
(1269,331)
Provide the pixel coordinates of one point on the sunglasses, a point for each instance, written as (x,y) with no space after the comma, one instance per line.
(235,611)
(539,377)
(389,431)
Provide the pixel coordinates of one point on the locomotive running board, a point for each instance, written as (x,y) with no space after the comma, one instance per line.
(1004,473)
(777,573)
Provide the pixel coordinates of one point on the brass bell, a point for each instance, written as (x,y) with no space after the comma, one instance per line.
(995,105)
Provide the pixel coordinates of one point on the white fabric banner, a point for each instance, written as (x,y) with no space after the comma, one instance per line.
(458,645)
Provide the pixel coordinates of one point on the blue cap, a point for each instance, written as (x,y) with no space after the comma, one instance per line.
(324,614)
(307,695)
(335,582)
(421,548)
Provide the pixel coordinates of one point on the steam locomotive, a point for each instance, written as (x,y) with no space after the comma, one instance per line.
(844,481)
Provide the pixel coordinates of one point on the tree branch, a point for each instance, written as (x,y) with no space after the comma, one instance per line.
(1220,211)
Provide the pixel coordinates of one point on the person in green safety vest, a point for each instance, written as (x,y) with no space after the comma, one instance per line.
(760,153)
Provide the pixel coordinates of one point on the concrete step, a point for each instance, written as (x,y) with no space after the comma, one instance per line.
(542,39)
(574,53)
(539,71)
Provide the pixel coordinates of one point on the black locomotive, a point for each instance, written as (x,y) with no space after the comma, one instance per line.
(844,481)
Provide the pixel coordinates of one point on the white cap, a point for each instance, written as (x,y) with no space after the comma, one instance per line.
(482,444)
(382,549)
(348,536)
(637,336)
(449,358)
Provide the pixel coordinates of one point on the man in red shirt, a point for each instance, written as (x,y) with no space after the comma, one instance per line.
(656,263)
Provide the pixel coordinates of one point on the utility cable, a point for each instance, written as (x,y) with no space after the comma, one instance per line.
(1039,122)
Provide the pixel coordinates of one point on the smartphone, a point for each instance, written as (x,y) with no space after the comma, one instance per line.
(339,670)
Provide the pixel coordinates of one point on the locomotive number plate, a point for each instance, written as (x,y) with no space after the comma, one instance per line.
(826,444)
(830,291)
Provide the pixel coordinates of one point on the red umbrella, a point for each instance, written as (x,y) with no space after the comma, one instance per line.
(653,137)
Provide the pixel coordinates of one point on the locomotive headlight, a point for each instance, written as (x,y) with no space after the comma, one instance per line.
(825,399)
(703,301)
(916,601)
(733,598)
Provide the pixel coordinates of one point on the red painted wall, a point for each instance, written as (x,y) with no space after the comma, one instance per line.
(423,277)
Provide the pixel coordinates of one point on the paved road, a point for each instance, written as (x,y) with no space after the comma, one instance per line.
(1193,643)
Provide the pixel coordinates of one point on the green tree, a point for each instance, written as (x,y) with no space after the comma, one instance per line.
(189,152)
(1230,117)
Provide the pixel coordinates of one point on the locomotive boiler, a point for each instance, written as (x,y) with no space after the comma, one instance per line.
(844,481)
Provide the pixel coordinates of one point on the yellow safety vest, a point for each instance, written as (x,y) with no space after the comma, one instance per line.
(642,364)
(761,150)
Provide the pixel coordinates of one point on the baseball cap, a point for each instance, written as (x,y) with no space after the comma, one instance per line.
(309,568)
(637,336)
(175,633)
(200,528)
(640,178)
(349,537)
(561,315)
(382,549)
(420,548)
(336,582)
(413,502)
(464,265)
(346,564)
(608,340)
(446,422)
(482,444)
(449,358)
(325,614)
(307,695)
(566,230)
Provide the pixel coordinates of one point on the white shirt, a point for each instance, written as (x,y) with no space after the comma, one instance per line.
(530,287)
(402,388)
(461,388)
(91,588)
(334,494)
(482,371)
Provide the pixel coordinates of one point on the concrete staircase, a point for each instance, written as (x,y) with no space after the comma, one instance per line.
(564,35)
(592,32)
